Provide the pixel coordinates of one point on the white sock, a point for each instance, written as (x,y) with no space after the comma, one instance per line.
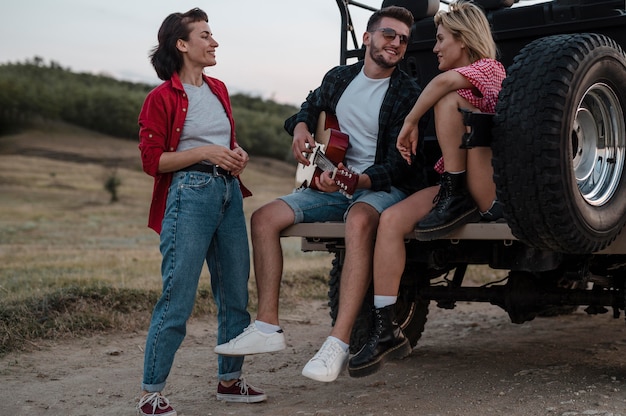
(265,327)
(382,301)
(340,342)
(456,173)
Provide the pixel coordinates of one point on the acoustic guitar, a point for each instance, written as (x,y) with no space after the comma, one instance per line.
(330,149)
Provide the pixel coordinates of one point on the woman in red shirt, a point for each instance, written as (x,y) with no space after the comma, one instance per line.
(187,143)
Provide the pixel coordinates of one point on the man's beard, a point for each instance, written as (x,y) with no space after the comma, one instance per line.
(377,57)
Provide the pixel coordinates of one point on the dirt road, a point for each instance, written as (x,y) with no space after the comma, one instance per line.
(470,361)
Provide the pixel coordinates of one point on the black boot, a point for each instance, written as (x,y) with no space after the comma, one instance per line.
(454,208)
(495,213)
(386,340)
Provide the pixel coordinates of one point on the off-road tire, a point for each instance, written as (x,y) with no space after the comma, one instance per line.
(559,143)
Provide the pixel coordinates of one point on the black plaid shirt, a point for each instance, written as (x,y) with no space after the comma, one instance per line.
(389,168)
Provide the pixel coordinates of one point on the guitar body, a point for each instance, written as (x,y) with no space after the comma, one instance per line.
(331,142)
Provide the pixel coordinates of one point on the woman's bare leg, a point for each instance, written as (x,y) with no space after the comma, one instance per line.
(476,161)
(450,129)
(395,223)
(480,177)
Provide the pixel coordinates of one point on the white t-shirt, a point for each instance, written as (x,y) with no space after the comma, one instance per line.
(358,111)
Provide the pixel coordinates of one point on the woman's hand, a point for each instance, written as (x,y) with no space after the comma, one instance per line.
(407,140)
(233,161)
(243,161)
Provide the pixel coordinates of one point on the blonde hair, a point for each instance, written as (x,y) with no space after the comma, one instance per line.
(468,23)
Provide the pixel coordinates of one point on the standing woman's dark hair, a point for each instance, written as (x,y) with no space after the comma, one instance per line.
(165,57)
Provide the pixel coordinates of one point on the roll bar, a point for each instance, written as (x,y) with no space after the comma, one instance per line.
(347,27)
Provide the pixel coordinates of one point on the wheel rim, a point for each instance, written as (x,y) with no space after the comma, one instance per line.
(598,138)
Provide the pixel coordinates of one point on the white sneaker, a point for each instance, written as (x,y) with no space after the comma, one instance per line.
(327,363)
(253,341)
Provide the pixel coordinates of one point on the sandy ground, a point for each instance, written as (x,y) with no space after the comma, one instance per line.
(470,361)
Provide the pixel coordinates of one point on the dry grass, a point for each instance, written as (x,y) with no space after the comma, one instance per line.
(61,236)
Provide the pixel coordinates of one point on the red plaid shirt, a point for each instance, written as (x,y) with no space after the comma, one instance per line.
(486,75)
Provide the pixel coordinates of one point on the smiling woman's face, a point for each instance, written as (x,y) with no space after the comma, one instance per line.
(450,51)
(200,48)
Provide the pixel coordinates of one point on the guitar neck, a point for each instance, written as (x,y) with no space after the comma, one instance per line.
(323,162)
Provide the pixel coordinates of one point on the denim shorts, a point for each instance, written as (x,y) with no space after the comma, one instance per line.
(310,205)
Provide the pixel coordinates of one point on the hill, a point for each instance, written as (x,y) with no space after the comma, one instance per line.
(34,91)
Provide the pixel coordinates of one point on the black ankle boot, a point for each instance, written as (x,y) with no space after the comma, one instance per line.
(386,340)
(454,208)
(495,213)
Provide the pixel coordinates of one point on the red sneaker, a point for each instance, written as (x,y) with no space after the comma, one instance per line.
(240,392)
(152,404)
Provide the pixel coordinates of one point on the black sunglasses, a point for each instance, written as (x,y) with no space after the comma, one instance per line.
(390,35)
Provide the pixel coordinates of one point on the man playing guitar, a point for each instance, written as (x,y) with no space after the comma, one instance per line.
(370,100)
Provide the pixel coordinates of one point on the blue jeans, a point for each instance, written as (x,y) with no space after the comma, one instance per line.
(310,205)
(203,221)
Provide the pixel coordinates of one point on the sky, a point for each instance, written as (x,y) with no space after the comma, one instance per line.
(274,49)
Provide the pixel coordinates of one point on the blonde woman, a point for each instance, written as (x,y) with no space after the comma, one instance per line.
(472,80)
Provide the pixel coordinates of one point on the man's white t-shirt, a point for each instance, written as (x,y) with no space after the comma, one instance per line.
(358,111)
